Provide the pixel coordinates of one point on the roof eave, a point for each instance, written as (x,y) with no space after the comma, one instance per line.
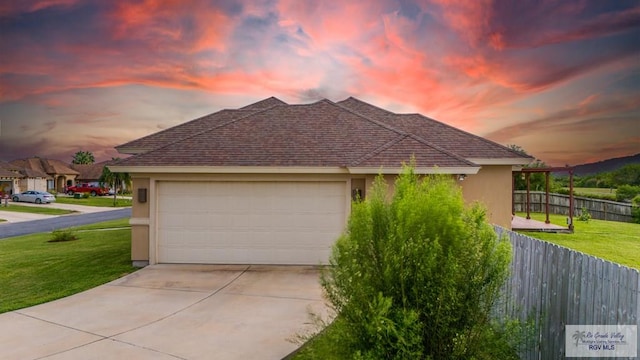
(134,169)
(467,170)
(501,161)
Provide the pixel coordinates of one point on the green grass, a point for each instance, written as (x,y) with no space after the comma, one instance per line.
(34,271)
(103,201)
(322,346)
(610,240)
(594,191)
(40,209)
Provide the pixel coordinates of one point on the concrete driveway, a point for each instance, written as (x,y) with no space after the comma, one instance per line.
(171,312)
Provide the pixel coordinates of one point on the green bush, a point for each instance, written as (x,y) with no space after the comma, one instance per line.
(417,277)
(63,235)
(627,192)
(584,215)
(635,209)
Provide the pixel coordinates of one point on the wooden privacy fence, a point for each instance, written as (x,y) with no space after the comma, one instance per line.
(559,204)
(557,286)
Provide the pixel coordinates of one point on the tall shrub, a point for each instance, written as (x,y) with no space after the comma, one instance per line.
(416,277)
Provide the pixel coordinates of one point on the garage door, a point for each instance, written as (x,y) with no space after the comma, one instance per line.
(249,222)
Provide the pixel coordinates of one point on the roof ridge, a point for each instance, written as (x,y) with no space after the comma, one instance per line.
(466,133)
(188,122)
(374,106)
(206,130)
(415,137)
(441,149)
(377,122)
(379,149)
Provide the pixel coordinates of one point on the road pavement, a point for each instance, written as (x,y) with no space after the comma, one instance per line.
(58,222)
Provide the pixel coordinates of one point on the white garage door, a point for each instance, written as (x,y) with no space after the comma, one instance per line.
(249,222)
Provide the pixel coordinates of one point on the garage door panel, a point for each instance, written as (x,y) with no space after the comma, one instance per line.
(249,222)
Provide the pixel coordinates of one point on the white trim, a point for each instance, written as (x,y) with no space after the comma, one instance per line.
(152,197)
(420,170)
(501,161)
(290,169)
(139,221)
(229,169)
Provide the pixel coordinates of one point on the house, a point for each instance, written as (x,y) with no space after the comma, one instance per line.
(272,183)
(14,179)
(59,173)
(9,178)
(89,173)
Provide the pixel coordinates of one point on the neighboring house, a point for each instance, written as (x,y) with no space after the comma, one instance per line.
(60,174)
(14,179)
(89,173)
(9,178)
(272,183)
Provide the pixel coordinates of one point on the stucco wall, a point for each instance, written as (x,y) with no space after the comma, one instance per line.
(491,186)
(140,222)
(36,184)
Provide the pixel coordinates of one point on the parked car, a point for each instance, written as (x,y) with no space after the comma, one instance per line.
(87,188)
(37,197)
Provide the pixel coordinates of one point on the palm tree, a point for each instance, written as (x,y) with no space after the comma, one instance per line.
(116,180)
(83,157)
(578,335)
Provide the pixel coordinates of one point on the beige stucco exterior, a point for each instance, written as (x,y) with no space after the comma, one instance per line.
(491,186)
(140,219)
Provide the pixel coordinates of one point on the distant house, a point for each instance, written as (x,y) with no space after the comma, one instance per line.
(60,174)
(89,173)
(9,178)
(14,179)
(272,183)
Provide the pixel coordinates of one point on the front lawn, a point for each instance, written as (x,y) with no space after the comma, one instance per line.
(34,271)
(618,242)
(102,201)
(40,209)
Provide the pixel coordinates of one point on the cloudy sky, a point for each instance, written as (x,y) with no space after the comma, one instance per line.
(559,78)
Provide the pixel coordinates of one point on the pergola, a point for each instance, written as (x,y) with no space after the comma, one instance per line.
(548,170)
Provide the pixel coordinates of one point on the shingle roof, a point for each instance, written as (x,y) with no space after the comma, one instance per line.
(47,166)
(182,131)
(30,173)
(8,166)
(9,174)
(88,172)
(264,104)
(447,137)
(350,133)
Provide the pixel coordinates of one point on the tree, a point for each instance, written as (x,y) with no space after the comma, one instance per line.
(518,149)
(83,157)
(537,181)
(115,180)
(626,175)
(417,276)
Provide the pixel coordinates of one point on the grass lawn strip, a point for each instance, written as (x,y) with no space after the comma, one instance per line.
(614,241)
(43,210)
(35,271)
(102,201)
(594,191)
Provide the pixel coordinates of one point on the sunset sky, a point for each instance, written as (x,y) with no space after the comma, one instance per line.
(559,78)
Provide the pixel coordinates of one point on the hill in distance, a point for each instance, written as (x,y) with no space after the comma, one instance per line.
(606,165)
